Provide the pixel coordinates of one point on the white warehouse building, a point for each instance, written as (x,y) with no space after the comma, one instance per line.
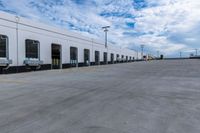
(27,46)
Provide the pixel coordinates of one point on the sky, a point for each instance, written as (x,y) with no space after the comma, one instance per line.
(167,26)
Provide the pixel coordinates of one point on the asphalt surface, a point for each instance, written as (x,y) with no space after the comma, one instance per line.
(140,97)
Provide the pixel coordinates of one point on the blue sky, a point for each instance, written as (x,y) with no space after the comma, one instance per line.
(168,26)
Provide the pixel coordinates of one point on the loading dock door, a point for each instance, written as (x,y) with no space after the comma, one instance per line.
(122,60)
(86,57)
(97,59)
(3,46)
(56,56)
(112,58)
(118,59)
(133,59)
(74,56)
(105,57)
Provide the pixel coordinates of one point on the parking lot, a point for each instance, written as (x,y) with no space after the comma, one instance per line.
(139,97)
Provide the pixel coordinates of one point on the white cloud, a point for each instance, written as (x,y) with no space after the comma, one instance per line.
(169,19)
(169,26)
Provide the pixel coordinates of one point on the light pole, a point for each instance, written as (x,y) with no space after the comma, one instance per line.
(106,35)
(196,52)
(142,50)
(158,54)
(180,54)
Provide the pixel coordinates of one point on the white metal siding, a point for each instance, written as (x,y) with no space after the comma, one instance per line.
(47,35)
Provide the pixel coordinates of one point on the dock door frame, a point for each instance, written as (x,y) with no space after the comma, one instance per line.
(112,58)
(73,56)
(56,56)
(86,57)
(97,57)
(105,58)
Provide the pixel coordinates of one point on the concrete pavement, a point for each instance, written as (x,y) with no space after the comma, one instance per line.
(140,97)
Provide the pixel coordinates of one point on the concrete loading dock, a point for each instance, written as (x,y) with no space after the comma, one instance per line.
(27,45)
(141,97)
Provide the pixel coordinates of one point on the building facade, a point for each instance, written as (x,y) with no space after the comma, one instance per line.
(27,46)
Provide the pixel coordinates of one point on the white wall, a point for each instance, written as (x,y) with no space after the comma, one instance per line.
(47,35)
